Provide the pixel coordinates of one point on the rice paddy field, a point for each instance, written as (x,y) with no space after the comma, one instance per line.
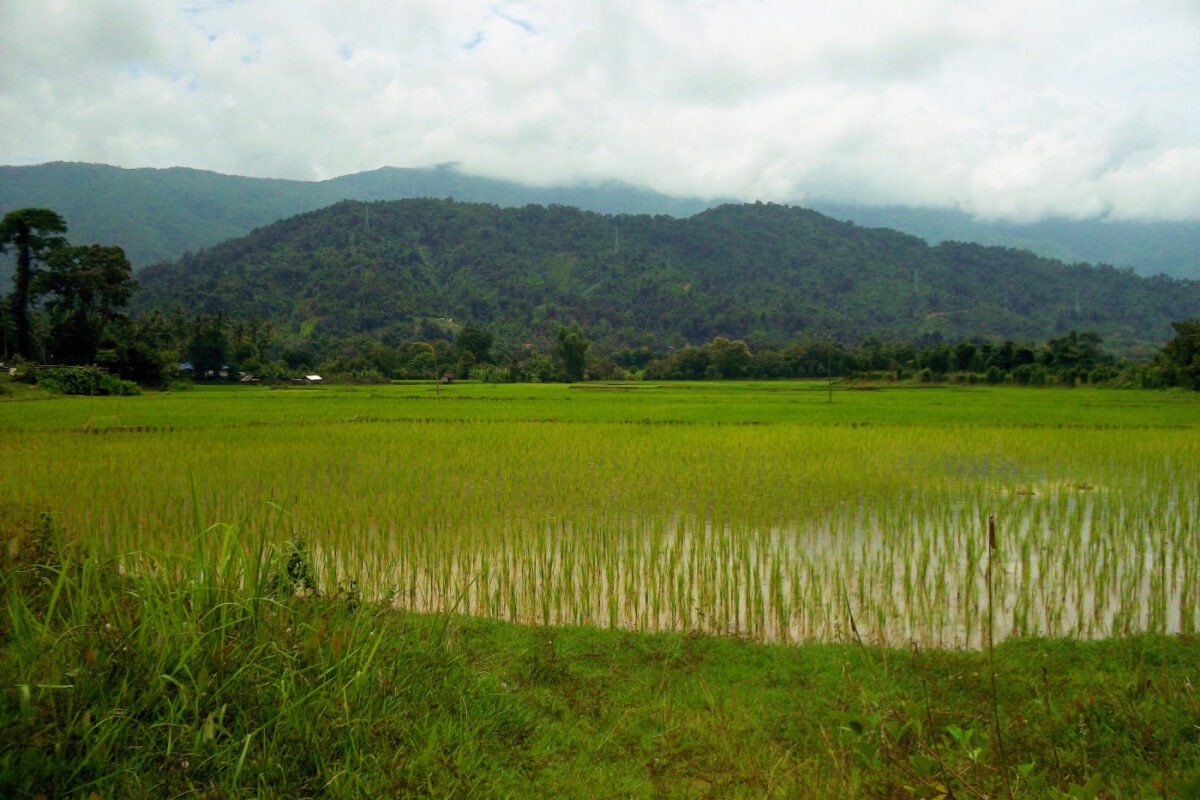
(777,512)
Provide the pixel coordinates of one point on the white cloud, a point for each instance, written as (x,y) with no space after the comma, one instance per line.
(1009,108)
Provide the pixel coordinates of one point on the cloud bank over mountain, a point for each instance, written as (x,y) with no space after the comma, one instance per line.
(1006,109)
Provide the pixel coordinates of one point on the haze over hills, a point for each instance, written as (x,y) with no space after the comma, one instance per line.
(1148,247)
(766,273)
(160,214)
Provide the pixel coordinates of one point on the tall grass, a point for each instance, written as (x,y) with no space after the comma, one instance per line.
(208,672)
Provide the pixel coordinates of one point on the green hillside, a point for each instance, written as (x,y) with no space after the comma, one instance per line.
(767,273)
(155,215)
(160,214)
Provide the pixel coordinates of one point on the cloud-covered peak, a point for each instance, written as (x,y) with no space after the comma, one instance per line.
(1005,108)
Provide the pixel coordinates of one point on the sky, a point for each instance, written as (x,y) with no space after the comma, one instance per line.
(1006,109)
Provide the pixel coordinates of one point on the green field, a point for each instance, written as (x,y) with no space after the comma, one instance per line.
(781,512)
(206,593)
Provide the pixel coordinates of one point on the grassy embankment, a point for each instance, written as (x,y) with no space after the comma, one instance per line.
(152,649)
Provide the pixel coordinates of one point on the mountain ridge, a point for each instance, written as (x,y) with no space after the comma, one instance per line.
(159,214)
(767,273)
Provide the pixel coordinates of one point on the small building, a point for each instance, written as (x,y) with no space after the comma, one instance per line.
(313,379)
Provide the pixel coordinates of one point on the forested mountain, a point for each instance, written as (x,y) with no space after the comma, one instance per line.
(154,215)
(160,214)
(765,273)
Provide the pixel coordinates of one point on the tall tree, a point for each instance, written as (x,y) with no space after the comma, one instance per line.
(208,347)
(474,347)
(86,289)
(1182,353)
(729,359)
(34,233)
(572,352)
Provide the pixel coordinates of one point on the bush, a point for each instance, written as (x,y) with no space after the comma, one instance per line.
(490,373)
(83,381)
(359,376)
(1030,375)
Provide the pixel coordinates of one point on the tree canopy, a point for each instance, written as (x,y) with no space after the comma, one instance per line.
(34,233)
(86,287)
(1182,353)
(76,295)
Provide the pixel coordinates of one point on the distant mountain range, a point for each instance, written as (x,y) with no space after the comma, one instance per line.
(395,270)
(160,214)
(1149,248)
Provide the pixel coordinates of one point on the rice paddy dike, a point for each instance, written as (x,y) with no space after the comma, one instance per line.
(538,553)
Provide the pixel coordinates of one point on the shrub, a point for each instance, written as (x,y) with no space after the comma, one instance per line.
(490,373)
(83,381)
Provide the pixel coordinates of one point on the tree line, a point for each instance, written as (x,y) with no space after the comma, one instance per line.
(1076,358)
